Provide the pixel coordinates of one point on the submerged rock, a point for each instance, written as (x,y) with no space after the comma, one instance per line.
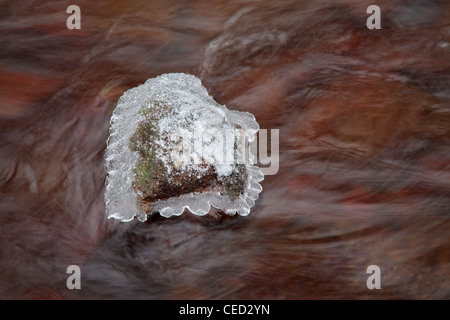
(172,147)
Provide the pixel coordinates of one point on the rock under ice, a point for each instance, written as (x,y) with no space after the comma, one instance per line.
(173,148)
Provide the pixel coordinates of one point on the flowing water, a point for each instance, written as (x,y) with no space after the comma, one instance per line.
(364,120)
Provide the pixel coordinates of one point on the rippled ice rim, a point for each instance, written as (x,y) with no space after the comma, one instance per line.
(200,203)
(120,197)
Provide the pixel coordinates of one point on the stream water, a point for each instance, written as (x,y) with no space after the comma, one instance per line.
(364,176)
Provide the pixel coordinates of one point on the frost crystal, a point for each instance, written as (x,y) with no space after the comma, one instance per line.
(172,147)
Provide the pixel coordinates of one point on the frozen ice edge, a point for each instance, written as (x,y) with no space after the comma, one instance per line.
(120,198)
(200,203)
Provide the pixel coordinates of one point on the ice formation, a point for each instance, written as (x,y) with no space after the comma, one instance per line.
(172,147)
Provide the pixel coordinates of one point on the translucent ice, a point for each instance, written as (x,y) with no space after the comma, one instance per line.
(172,147)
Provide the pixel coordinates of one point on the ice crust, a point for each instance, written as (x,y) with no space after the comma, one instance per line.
(190,105)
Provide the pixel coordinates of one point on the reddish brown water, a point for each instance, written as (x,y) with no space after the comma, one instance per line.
(364,119)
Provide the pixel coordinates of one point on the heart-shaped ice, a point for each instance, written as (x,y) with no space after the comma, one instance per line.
(172,147)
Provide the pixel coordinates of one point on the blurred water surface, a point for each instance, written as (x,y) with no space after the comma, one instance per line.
(364,119)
